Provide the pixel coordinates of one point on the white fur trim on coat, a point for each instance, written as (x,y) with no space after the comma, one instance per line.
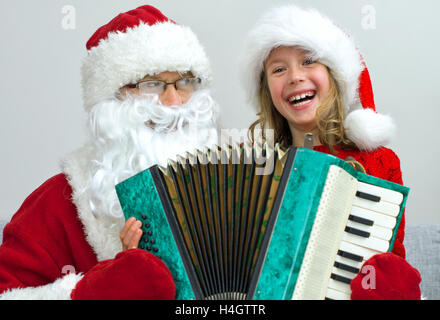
(102,233)
(126,57)
(57,290)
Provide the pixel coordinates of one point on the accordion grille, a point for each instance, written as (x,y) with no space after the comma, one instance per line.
(223,202)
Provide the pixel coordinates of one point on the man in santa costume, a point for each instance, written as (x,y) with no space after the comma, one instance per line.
(145,83)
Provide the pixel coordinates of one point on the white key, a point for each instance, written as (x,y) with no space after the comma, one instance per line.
(384,194)
(375,231)
(337,295)
(379,219)
(339,286)
(384,207)
(370,243)
(360,251)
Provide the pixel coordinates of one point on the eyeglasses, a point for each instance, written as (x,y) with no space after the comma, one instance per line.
(182,86)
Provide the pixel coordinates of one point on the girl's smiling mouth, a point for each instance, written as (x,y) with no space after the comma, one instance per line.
(301,100)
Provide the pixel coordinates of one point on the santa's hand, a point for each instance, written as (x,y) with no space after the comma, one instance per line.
(131,234)
(386,276)
(133,274)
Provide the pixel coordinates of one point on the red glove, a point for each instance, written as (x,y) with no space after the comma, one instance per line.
(386,276)
(132,275)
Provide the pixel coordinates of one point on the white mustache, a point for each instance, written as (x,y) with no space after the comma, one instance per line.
(198,109)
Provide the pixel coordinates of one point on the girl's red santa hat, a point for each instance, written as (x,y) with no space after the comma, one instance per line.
(329,44)
(136,43)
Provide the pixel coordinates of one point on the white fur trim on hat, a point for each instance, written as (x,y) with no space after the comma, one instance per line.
(368,129)
(310,30)
(330,45)
(126,57)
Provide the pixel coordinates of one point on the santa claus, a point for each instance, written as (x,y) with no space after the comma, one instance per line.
(145,82)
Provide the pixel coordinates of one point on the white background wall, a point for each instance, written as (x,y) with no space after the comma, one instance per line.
(41,107)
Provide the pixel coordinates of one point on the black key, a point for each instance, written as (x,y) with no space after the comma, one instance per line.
(360,220)
(357,232)
(367,196)
(346,267)
(327,298)
(350,256)
(337,277)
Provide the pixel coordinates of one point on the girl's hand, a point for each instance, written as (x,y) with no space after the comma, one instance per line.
(131,234)
(386,276)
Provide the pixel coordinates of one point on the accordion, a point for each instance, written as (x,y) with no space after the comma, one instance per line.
(259,222)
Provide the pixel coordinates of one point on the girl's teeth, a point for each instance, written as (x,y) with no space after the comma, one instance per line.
(300,103)
(295,101)
(301,96)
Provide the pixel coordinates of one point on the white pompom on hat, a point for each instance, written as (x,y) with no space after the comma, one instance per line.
(330,45)
(136,43)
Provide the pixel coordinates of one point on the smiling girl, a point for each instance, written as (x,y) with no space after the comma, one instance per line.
(297,87)
(305,76)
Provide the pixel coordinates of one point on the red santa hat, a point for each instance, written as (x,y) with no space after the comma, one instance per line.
(329,44)
(136,43)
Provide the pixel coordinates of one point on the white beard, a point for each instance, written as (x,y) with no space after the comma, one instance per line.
(134,134)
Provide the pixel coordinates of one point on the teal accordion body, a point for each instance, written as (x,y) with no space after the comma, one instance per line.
(245,222)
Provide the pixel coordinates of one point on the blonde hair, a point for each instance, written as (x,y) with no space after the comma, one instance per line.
(329,118)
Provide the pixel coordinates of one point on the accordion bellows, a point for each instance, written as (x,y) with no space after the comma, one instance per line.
(248,222)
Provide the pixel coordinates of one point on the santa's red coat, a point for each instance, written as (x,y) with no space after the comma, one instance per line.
(49,246)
